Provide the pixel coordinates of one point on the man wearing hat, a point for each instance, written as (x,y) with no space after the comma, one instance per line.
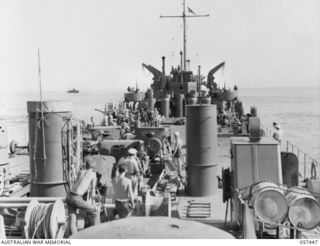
(86,183)
(277,135)
(132,167)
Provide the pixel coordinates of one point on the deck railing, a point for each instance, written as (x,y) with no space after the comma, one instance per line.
(310,164)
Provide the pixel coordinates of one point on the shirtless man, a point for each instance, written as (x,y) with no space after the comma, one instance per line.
(133,169)
(123,194)
(86,182)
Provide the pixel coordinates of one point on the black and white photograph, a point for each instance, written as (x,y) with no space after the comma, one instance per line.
(159,119)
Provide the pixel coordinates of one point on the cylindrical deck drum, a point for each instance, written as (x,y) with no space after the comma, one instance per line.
(205,100)
(201,137)
(254,112)
(269,202)
(151,102)
(48,173)
(304,209)
(4,158)
(165,107)
(192,101)
(179,105)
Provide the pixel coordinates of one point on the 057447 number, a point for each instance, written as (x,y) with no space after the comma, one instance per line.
(306,241)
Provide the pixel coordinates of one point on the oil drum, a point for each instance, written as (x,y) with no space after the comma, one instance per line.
(304,209)
(48,173)
(201,138)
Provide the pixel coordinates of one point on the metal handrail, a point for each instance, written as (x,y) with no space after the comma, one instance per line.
(308,161)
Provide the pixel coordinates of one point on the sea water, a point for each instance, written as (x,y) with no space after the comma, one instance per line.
(297,110)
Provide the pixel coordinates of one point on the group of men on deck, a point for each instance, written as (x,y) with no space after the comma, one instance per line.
(125,188)
(125,183)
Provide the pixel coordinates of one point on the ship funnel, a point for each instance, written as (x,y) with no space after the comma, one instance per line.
(201,136)
(254,129)
(199,81)
(164,70)
(48,138)
(188,65)
(254,112)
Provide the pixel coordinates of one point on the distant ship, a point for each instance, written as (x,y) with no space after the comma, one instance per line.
(73,91)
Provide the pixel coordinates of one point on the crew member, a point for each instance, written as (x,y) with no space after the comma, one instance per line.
(156,118)
(123,195)
(133,170)
(85,183)
(277,135)
(92,122)
(177,151)
(105,120)
(110,119)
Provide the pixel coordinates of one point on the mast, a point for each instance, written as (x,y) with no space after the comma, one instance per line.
(184,36)
(184,21)
(41,109)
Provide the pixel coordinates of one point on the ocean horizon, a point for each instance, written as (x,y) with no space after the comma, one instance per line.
(296,109)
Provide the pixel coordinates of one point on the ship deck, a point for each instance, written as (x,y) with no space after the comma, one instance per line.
(19,166)
(217,214)
(219,217)
(18,172)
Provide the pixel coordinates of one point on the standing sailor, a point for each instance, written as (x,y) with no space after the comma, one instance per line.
(277,135)
(123,194)
(110,119)
(177,145)
(132,168)
(86,183)
(105,120)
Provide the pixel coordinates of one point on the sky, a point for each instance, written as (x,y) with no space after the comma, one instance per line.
(101,44)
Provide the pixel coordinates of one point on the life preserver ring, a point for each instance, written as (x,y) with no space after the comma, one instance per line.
(313,171)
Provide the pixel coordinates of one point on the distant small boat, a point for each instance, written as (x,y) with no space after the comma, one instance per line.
(73,91)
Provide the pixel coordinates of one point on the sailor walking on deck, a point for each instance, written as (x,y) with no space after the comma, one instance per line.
(123,195)
(277,135)
(86,183)
(177,151)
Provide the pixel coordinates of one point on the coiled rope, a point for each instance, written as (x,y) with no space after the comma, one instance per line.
(39,226)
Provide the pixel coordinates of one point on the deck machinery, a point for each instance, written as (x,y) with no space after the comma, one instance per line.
(261,184)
